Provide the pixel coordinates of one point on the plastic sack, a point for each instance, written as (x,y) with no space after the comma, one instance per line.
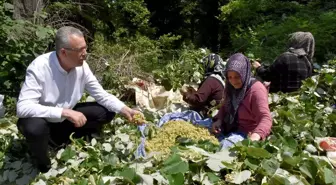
(328,144)
(2,108)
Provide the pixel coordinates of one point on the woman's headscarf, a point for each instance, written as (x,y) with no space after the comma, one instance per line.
(302,43)
(233,97)
(213,64)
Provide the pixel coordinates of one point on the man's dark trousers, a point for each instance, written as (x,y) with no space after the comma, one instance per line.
(39,132)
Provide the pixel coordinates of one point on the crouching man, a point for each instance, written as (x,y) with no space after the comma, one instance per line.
(48,107)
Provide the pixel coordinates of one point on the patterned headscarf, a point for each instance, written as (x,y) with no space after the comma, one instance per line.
(233,97)
(213,64)
(302,43)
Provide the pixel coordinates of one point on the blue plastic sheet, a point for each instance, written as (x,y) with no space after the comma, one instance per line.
(195,118)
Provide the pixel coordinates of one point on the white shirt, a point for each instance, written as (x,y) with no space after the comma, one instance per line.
(48,88)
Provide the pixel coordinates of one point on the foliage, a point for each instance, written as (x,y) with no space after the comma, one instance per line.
(21,41)
(117,63)
(284,158)
(196,21)
(183,70)
(129,17)
(262,27)
(133,38)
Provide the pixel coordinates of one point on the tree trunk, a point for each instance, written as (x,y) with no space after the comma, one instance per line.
(25,9)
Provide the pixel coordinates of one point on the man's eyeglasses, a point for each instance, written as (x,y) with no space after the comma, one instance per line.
(77,49)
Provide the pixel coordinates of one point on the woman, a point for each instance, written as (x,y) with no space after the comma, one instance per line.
(293,66)
(245,112)
(211,90)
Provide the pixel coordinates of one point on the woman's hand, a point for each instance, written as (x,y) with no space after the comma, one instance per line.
(183,91)
(187,90)
(256,64)
(254,137)
(216,127)
(191,89)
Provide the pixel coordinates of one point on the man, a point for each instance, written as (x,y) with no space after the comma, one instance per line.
(291,67)
(48,107)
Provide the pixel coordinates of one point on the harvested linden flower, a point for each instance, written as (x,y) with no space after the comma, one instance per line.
(229,177)
(167,136)
(139,119)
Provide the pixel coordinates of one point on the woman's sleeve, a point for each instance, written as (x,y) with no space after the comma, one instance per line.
(220,115)
(260,110)
(200,97)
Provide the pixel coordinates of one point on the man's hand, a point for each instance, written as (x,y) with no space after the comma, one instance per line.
(256,64)
(77,118)
(254,137)
(132,115)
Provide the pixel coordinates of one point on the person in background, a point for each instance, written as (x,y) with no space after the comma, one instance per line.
(291,67)
(48,107)
(211,90)
(245,112)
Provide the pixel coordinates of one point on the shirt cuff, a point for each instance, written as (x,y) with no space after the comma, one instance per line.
(118,106)
(56,112)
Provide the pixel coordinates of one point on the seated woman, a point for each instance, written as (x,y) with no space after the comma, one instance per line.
(211,90)
(291,67)
(245,112)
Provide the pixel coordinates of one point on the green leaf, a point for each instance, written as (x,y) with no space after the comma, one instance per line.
(107,147)
(12,175)
(291,142)
(329,78)
(130,174)
(252,163)
(184,141)
(309,168)
(329,176)
(215,161)
(258,152)
(176,179)
(83,182)
(111,159)
(270,166)
(174,165)
(41,33)
(332,117)
(213,177)
(208,145)
(67,154)
(230,166)
(291,160)
(172,159)
(8,6)
(279,180)
(271,148)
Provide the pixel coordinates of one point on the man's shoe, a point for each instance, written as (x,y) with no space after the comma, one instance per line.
(44,168)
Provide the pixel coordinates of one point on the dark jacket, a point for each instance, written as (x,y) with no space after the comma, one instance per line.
(286,73)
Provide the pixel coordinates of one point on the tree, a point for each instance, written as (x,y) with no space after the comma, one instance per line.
(27,9)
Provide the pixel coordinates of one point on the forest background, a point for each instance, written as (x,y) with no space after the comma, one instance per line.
(158,39)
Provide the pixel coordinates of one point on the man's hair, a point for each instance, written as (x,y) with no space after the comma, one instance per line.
(62,36)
